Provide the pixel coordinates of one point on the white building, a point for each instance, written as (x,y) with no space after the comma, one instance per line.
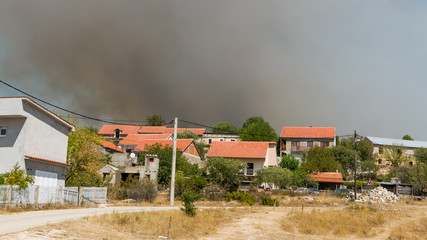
(34,138)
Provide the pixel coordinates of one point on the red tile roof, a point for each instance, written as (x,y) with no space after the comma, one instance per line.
(126,129)
(307,132)
(328,177)
(197,131)
(47,160)
(135,139)
(239,149)
(181,144)
(111,146)
(152,129)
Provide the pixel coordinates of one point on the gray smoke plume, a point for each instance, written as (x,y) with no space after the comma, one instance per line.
(296,63)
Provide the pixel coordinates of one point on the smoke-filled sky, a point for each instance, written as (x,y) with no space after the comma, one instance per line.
(346,64)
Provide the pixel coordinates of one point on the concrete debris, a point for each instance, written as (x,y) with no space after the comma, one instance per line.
(378,195)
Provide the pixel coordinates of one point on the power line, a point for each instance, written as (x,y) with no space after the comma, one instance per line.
(63,109)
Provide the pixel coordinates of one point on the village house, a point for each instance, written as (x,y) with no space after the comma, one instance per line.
(384,147)
(328,180)
(295,140)
(129,142)
(208,138)
(255,155)
(187,147)
(34,138)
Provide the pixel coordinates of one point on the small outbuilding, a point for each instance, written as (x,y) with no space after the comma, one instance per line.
(328,180)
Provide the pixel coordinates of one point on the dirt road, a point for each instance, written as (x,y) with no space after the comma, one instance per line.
(22,221)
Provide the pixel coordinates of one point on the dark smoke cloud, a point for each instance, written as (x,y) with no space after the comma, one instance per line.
(292,62)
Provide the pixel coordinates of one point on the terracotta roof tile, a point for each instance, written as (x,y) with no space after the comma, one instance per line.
(197,131)
(238,149)
(135,139)
(47,160)
(328,177)
(307,132)
(181,144)
(126,129)
(111,146)
(152,129)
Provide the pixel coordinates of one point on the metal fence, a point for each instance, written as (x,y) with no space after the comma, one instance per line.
(42,195)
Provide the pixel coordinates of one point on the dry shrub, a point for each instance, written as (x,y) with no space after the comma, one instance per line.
(415,230)
(154,224)
(359,221)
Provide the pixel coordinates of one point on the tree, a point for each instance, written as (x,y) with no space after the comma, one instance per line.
(289,162)
(155,120)
(407,137)
(165,162)
(395,154)
(224,127)
(17,177)
(187,134)
(85,158)
(252,120)
(345,157)
(278,176)
(227,173)
(319,159)
(256,129)
(421,155)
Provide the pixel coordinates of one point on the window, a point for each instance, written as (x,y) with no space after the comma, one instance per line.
(209,140)
(295,145)
(250,169)
(3,131)
(221,140)
(151,159)
(309,143)
(233,140)
(324,144)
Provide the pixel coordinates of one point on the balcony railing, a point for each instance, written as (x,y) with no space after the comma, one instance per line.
(300,148)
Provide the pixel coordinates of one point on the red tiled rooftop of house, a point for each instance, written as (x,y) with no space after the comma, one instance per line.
(181,144)
(197,131)
(135,139)
(126,129)
(111,146)
(152,129)
(328,177)
(308,132)
(47,160)
(239,149)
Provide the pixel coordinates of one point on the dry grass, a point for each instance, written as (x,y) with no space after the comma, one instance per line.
(412,230)
(357,221)
(311,200)
(146,225)
(25,208)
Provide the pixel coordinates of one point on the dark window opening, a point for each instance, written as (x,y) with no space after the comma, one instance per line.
(250,169)
(309,143)
(151,159)
(3,131)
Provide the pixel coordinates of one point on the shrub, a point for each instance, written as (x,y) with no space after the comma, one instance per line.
(188,198)
(243,197)
(144,190)
(269,201)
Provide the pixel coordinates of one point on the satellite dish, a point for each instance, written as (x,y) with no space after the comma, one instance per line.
(132,155)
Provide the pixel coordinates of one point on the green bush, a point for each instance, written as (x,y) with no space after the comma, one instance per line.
(188,198)
(269,201)
(144,190)
(243,197)
(16,176)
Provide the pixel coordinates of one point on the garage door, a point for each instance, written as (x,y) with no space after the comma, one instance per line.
(46,179)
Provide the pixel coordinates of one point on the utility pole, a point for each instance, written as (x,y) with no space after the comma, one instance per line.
(172,187)
(355,166)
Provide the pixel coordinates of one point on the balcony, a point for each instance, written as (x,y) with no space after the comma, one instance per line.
(299,148)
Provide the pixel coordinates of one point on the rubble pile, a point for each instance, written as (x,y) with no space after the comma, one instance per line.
(378,195)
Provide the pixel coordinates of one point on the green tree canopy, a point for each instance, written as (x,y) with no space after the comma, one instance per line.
(165,162)
(319,159)
(224,127)
(289,162)
(421,155)
(395,154)
(226,172)
(85,158)
(155,120)
(278,176)
(17,177)
(256,129)
(407,137)
(187,134)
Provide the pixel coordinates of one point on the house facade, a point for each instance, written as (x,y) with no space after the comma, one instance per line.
(255,155)
(296,140)
(208,138)
(34,138)
(384,150)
